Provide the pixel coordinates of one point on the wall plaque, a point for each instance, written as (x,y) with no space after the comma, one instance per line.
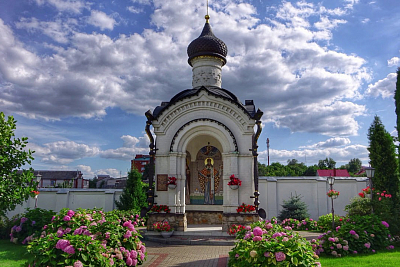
(162,182)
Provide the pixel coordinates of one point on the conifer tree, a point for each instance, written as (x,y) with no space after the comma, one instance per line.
(133,196)
(294,208)
(383,158)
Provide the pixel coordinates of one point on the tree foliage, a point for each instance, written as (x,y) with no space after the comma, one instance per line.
(383,159)
(15,186)
(326,164)
(294,168)
(397,104)
(133,196)
(294,208)
(353,166)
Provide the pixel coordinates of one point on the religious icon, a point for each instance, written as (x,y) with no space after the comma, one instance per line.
(209,180)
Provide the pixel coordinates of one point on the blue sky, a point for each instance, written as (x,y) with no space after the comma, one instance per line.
(78,75)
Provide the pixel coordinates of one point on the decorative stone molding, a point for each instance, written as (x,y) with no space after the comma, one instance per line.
(204,119)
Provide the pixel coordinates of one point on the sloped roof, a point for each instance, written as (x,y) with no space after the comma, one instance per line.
(212,90)
(58,175)
(335,173)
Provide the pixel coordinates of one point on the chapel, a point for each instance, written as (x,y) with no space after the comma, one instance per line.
(204,136)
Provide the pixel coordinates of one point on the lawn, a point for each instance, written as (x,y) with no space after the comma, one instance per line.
(12,255)
(383,258)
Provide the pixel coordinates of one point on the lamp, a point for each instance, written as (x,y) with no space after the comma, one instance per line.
(38,179)
(331,180)
(370,172)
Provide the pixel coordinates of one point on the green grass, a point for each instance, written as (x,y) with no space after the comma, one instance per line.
(12,255)
(383,258)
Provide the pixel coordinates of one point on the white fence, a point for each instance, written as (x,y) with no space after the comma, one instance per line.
(273,190)
(57,198)
(313,189)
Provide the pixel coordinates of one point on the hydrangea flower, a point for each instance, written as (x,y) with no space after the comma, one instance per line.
(280,256)
(257,231)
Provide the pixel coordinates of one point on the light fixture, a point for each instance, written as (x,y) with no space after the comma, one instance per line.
(38,178)
(370,172)
(331,180)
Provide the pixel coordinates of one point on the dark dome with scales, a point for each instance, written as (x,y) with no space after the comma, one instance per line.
(207,45)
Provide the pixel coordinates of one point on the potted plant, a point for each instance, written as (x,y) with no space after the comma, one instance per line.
(245,208)
(164,228)
(171,182)
(234,182)
(333,193)
(160,208)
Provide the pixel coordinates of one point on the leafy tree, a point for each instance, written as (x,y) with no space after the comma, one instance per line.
(383,158)
(311,171)
(133,196)
(294,208)
(354,165)
(93,182)
(262,169)
(292,162)
(326,164)
(15,186)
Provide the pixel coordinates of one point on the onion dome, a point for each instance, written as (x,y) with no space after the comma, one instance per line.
(207,45)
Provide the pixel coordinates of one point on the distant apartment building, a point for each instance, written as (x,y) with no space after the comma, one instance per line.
(69,179)
(140,162)
(106,181)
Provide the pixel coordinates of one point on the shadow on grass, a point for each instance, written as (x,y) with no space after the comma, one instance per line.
(12,255)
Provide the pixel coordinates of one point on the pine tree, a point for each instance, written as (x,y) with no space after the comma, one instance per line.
(133,196)
(397,104)
(294,208)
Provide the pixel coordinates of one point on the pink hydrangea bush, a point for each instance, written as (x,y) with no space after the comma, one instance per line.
(28,226)
(307,224)
(357,234)
(266,243)
(89,238)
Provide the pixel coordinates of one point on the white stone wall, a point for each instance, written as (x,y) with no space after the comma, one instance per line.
(313,189)
(56,199)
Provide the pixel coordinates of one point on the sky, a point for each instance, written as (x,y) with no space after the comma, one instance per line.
(78,76)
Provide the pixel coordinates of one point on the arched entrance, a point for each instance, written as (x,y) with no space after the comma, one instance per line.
(205,182)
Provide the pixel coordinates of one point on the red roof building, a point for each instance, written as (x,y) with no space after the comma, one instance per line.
(139,162)
(334,173)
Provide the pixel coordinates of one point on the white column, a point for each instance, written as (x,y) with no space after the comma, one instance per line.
(231,197)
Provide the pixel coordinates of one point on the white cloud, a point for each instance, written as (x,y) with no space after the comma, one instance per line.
(341,155)
(384,87)
(134,10)
(74,6)
(131,146)
(394,61)
(101,20)
(290,74)
(332,142)
(63,152)
(112,172)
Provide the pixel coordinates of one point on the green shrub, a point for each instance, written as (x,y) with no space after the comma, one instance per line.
(5,227)
(359,206)
(325,222)
(268,244)
(294,208)
(88,238)
(29,225)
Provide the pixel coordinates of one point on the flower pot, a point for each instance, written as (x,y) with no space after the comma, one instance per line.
(172,186)
(234,186)
(167,234)
(334,196)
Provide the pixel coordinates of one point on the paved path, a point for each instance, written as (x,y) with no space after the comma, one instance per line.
(165,255)
(192,251)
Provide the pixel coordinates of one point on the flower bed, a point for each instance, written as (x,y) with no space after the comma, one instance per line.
(269,244)
(89,238)
(245,208)
(160,208)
